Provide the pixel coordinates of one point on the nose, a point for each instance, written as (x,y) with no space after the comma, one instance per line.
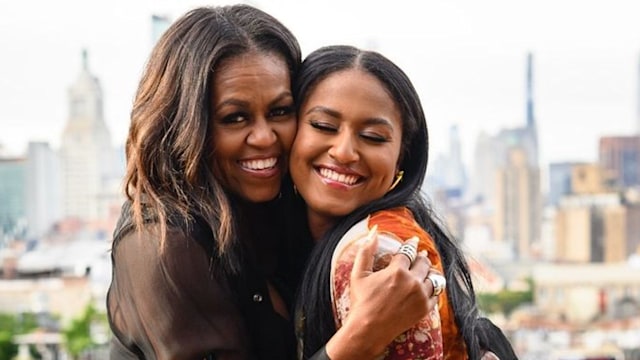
(262,134)
(344,149)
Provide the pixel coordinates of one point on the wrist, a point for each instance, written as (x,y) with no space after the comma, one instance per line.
(353,341)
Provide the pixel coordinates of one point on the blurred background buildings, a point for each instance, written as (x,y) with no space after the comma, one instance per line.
(554,248)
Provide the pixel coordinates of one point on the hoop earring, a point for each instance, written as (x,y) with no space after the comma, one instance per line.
(399,176)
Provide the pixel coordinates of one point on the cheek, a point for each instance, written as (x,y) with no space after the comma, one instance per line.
(225,146)
(301,145)
(287,135)
(386,166)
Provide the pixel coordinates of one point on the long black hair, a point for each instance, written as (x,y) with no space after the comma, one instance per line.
(314,298)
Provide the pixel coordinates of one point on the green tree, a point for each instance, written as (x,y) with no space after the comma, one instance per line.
(11,325)
(505,301)
(78,334)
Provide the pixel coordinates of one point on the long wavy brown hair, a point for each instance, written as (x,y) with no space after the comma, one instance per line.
(169,146)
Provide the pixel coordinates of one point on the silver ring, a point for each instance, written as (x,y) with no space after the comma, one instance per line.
(409,251)
(439,283)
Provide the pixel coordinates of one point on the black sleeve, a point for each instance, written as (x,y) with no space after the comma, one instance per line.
(320,355)
(165,303)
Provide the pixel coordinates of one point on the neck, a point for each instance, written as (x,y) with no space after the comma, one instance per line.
(319,224)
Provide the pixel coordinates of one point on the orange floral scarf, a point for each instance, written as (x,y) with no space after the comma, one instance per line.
(435,337)
(400,221)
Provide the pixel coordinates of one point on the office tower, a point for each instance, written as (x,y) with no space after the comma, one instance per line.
(491,151)
(506,179)
(12,199)
(529,92)
(528,137)
(447,173)
(560,181)
(86,153)
(591,222)
(619,156)
(518,212)
(43,189)
(159,23)
(484,167)
(638,102)
(455,177)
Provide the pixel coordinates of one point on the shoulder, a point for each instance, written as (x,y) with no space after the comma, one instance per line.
(398,221)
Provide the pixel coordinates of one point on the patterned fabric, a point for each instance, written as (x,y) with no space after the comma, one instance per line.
(434,337)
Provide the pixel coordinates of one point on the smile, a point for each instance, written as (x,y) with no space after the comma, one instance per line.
(259,164)
(337,177)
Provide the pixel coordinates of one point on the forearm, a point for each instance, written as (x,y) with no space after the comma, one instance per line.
(353,341)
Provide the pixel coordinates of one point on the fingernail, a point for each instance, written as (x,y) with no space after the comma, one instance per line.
(413,241)
(372,232)
(423,253)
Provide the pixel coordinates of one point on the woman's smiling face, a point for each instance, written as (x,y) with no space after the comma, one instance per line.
(253,123)
(348,143)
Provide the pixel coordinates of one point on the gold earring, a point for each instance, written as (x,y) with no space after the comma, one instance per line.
(397,180)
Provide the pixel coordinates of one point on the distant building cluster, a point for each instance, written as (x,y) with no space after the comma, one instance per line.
(79,182)
(575,240)
(58,209)
(574,243)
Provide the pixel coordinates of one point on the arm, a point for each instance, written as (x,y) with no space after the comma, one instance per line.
(375,318)
(166,304)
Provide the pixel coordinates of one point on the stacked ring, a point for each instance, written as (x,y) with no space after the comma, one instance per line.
(439,283)
(408,250)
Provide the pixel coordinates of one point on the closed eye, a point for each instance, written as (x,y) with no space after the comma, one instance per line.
(323,126)
(374,138)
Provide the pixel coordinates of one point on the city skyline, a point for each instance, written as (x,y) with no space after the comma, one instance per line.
(468,62)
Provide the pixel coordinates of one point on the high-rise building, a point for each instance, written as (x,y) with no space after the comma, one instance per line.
(159,24)
(491,151)
(591,222)
(44,199)
(529,92)
(86,152)
(485,163)
(619,156)
(638,102)
(517,215)
(560,181)
(448,174)
(596,223)
(517,205)
(12,198)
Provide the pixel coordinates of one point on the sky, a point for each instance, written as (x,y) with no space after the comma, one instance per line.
(467,59)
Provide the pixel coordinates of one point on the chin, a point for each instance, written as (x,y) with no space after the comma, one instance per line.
(262,197)
(335,210)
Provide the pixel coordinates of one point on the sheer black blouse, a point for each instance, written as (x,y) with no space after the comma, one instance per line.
(171,304)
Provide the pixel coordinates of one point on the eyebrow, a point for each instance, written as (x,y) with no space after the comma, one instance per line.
(338,115)
(242,103)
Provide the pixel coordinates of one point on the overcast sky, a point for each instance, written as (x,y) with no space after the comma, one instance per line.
(466,58)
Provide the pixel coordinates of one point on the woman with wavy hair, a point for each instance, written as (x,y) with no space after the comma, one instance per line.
(201,266)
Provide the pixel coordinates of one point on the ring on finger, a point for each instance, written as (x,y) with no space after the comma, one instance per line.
(439,283)
(409,251)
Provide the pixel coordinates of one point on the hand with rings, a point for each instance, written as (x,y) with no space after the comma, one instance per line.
(392,299)
(410,250)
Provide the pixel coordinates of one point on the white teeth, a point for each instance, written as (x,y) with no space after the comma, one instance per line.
(259,164)
(332,175)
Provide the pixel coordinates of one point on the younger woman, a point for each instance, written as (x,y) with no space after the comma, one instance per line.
(358,160)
